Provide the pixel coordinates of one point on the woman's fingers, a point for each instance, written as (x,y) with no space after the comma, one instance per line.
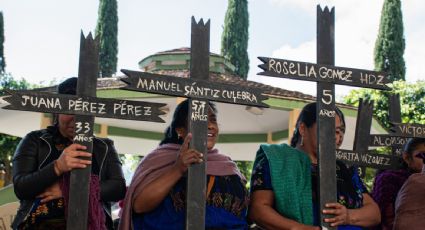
(334,205)
(51,193)
(334,221)
(339,211)
(45,199)
(71,158)
(78,163)
(331,211)
(74,147)
(192,156)
(187,155)
(42,195)
(49,198)
(79,154)
(186,142)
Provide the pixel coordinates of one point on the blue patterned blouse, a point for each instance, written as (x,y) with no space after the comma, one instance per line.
(226,207)
(350,198)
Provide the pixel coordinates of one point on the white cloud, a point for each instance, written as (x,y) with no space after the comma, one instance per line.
(414,34)
(357,23)
(414,57)
(356,29)
(305,52)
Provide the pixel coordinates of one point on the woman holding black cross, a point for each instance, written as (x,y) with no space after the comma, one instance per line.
(284,184)
(388,183)
(41,174)
(157,193)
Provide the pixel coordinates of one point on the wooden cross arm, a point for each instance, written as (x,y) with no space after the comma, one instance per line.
(305,71)
(368,159)
(407,130)
(70,104)
(193,88)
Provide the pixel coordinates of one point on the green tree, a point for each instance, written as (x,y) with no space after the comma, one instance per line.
(234,40)
(389,46)
(2,59)
(246,169)
(8,143)
(107,32)
(412,100)
(8,82)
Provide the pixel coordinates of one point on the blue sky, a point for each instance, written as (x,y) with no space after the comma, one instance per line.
(42,37)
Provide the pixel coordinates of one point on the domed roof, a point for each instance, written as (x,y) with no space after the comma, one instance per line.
(179,59)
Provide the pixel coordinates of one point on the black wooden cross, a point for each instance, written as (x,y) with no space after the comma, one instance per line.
(199,89)
(408,130)
(361,156)
(362,140)
(389,140)
(326,75)
(399,129)
(399,132)
(86,107)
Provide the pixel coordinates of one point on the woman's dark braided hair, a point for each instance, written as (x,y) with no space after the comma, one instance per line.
(308,117)
(341,117)
(180,120)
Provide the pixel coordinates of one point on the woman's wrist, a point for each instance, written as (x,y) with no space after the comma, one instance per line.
(350,219)
(178,170)
(57,169)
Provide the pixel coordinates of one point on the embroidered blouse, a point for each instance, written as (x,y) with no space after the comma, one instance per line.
(226,207)
(261,180)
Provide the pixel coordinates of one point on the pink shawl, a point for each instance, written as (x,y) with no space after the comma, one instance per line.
(159,161)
